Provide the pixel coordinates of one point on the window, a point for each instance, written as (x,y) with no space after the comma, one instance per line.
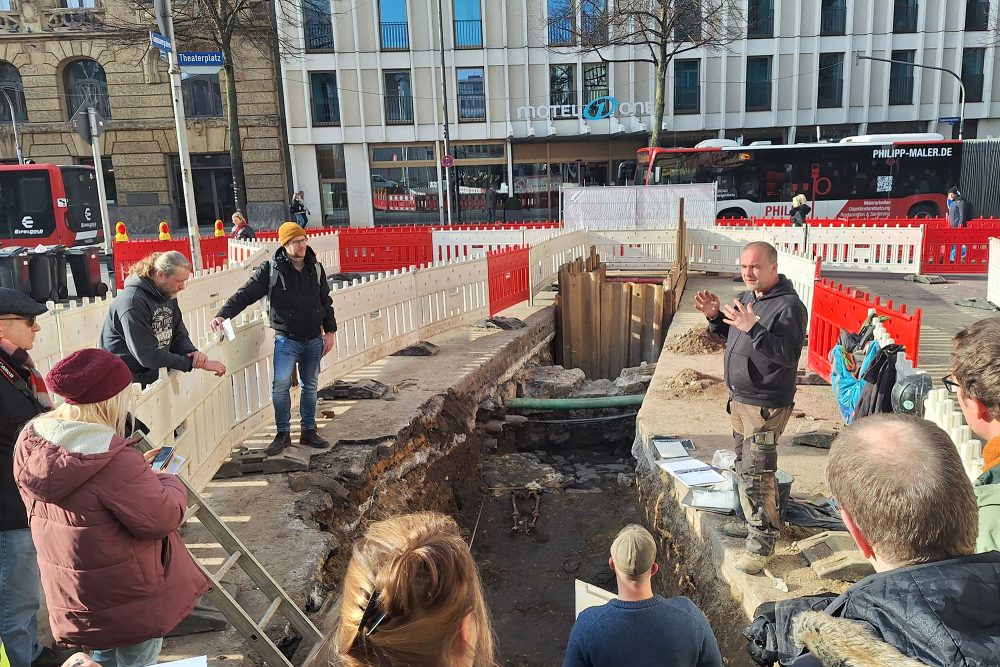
(202,95)
(687,89)
(110,187)
(317,25)
(393,30)
(468,24)
(833,17)
(904,16)
(760,19)
(972,74)
(79,4)
(901,78)
(471,94)
(759,83)
(687,20)
(830,88)
(977,15)
(404,170)
(10,83)
(595,81)
(325,105)
(398,99)
(593,22)
(332,170)
(562,23)
(85,84)
(562,88)
(5,6)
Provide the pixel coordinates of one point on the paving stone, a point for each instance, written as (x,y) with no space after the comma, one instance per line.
(229,469)
(833,555)
(422,349)
(288,462)
(815,435)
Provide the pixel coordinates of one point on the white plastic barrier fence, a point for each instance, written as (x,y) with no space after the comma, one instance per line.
(545,257)
(638,207)
(451,244)
(803,272)
(993,280)
(326,245)
(651,250)
(878,249)
(944,411)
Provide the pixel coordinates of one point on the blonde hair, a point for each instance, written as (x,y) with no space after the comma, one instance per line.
(238,218)
(111,412)
(798,200)
(168,262)
(424,580)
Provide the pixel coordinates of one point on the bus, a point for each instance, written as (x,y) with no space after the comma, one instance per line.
(873,176)
(48,204)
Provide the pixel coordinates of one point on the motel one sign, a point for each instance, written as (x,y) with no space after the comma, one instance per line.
(599,109)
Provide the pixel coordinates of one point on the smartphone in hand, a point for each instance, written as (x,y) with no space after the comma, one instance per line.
(162,458)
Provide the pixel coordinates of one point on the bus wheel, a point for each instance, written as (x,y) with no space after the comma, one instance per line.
(731,213)
(923,211)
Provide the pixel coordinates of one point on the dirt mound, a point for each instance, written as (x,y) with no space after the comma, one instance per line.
(688,382)
(697,340)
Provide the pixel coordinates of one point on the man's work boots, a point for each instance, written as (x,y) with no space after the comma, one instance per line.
(311,438)
(735,529)
(278,445)
(751,563)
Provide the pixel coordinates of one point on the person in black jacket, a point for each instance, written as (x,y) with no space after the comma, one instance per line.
(144,327)
(301,314)
(909,506)
(800,209)
(22,397)
(765,330)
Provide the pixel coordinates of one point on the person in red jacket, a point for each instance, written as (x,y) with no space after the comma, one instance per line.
(115,572)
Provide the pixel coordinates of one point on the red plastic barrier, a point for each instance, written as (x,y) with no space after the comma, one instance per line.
(214,252)
(836,307)
(369,249)
(128,253)
(508,278)
(930,223)
(963,251)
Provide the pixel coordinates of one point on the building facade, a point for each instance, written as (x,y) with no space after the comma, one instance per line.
(365,114)
(56,57)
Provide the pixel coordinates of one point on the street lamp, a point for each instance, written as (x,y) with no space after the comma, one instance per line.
(444,94)
(961,84)
(13,122)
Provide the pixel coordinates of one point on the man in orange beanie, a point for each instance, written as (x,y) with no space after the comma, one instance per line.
(976,381)
(301,314)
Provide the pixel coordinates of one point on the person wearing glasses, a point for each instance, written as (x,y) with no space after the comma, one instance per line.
(412,596)
(22,397)
(976,382)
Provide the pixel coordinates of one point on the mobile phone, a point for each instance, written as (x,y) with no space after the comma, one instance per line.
(141,442)
(162,458)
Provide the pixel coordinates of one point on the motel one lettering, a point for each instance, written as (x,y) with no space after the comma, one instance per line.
(599,109)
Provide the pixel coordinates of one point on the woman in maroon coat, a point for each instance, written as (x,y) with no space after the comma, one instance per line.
(115,571)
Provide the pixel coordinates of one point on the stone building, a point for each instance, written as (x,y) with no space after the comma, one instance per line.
(57,54)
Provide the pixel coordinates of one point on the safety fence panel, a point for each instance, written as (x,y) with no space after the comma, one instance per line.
(636,249)
(508,278)
(881,249)
(958,251)
(545,257)
(452,294)
(836,307)
(127,253)
(373,249)
(993,280)
(214,252)
(638,207)
(803,271)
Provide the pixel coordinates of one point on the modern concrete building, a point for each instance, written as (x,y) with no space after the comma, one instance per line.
(365,112)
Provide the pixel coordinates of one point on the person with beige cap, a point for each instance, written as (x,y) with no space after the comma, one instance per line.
(640,629)
(301,314)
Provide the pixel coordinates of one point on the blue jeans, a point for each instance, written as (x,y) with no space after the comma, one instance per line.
(137,655)
(287,353)
(20,597)
(302,219)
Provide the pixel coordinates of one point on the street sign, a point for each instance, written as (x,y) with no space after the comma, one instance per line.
(200,62)
(448,161)
(161,43)
(950,120)
(81,123)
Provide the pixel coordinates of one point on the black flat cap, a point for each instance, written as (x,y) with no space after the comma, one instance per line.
(13,302)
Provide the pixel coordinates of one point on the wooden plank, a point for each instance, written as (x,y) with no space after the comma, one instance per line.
(653,316)
(590,322)
(574,332)
(615,329)
(635,325)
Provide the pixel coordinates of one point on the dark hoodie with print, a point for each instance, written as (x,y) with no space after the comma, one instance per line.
(144,328)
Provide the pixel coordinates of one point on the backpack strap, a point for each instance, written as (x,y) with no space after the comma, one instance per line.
(16,379)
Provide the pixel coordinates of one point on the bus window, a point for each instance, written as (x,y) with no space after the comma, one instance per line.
(27,205)
(84,212)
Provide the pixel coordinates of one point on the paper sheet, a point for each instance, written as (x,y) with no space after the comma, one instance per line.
(199,661)
(227,329)
(699,477)
(589,595)
(686,464)
(176,463)
(668,449)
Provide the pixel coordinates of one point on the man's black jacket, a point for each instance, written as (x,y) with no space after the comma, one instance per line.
(16,408)
(761,365)
(300,300)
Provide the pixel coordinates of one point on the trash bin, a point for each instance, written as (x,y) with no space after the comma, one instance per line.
(47,269)
(85,263)
(14,269)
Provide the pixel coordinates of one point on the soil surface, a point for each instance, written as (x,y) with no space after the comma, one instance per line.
(697,340)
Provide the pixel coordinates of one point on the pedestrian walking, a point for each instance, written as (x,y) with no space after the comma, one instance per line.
(297,209)
(800,209)
(491,203)
(959,209)
(242,231)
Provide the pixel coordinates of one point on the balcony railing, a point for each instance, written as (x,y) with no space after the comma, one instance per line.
(398,109)
(469,34)
(687,98)
(326,111)
(395,36)
(562,31)
(594,29)
(10,21)
(758,95)
(901,90)
(904,17)
(562,98)
(592,93)
(472,107)
(977,15)
(319,34)
(833,21)
(761,25)
(830,93)
(69,19)
(973,87)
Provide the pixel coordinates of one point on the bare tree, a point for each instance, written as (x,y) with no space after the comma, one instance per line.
(656,30)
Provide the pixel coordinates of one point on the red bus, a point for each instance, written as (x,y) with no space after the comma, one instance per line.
(876,176)
(49,204)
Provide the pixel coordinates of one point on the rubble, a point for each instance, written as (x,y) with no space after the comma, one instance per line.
(688,382)
(635,380)
(551,381)
(697,340)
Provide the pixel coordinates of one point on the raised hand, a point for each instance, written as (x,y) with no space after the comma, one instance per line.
(707,303)
(740,316)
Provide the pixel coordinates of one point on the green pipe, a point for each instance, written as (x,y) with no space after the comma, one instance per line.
(574,403)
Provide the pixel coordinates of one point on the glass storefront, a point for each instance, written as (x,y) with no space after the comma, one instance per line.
(332,171)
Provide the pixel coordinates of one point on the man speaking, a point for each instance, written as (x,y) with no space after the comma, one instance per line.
(765,330)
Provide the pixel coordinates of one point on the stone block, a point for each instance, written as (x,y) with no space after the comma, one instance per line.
(284,463)
(228,470)
(834,555)
(815,435)
(552,381)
